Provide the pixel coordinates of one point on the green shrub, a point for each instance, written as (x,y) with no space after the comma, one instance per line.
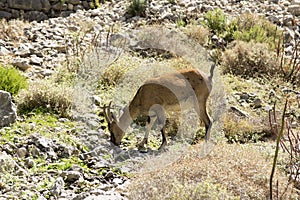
(11,80)
(256,28)
(216,21)
(46,96)
(250,60)
(137,8)
(246,27)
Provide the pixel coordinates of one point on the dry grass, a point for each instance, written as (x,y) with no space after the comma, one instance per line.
(250,60)
(46,96)
(198,33)
(230,171)
(12,30)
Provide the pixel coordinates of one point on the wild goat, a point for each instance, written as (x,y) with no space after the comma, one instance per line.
(171,92)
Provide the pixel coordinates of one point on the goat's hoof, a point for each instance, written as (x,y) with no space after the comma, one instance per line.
(162,147)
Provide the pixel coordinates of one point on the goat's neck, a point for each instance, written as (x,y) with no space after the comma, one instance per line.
(125,119)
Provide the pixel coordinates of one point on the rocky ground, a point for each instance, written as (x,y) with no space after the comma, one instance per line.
(46,45)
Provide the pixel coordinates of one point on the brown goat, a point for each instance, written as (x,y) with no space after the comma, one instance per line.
(171,92)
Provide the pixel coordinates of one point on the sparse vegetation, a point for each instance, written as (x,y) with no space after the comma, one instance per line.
(46,96)
(237,167)
(12,80)
(241,170)
(249,59)
(198,33)
(257,29)
(137,8)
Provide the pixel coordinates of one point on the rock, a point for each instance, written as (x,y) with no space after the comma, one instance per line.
(36,60)
(29,163)
(71,176)
(294,9)
(35,15)
(7,164)
(21,63)
(25,4)
(3,50)
(257,103)
(22,152)
(5,15)
(58,187)
(8,112)
(34,151)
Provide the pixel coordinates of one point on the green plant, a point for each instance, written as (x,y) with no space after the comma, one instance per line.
(46,96)
(12,80)
(137,8)
(256,28)
(241,130)
(216,21)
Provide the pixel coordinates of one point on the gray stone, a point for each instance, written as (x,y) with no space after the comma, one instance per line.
(74,2)
(29,163)
(6,162)
(36,60)
(22,152)
(3,50)
(58,187)
(35,15)
(8,112)
(25,4)
(6,15)
(34,151)
(294,9)
(71,176)
(46,6)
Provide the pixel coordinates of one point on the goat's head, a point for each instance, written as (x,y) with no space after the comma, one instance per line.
(116,133)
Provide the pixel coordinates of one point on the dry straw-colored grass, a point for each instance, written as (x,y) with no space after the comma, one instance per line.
(230,171)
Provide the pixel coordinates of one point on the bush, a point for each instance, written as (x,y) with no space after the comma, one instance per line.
(11,80)
(256,28)
(242,130)
(198,33)
(12,29)
(47,97)
(250,60)
(137,8)
(216,21)
(246,27)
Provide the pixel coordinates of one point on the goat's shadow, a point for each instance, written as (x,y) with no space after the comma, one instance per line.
(134,160)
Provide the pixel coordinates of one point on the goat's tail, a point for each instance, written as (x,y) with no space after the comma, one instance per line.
(212,68)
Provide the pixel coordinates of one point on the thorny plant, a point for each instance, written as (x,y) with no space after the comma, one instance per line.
(290,66)
(78,50)
(288,138)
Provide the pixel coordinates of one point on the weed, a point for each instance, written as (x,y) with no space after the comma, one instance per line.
(198,33)
(250,60)
(12,80)
(216,21)
(46,96)
(257,29)
(137,8)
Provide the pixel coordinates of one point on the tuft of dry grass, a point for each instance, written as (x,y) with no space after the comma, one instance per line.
(248,59)
(45,95)
(12,30)
(230,171)
(198,33)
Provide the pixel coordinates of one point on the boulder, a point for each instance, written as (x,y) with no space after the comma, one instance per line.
(8,112)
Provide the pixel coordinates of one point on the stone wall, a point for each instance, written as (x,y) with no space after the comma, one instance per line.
(41,9)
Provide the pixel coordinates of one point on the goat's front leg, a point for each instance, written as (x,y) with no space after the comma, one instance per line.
(149,125)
